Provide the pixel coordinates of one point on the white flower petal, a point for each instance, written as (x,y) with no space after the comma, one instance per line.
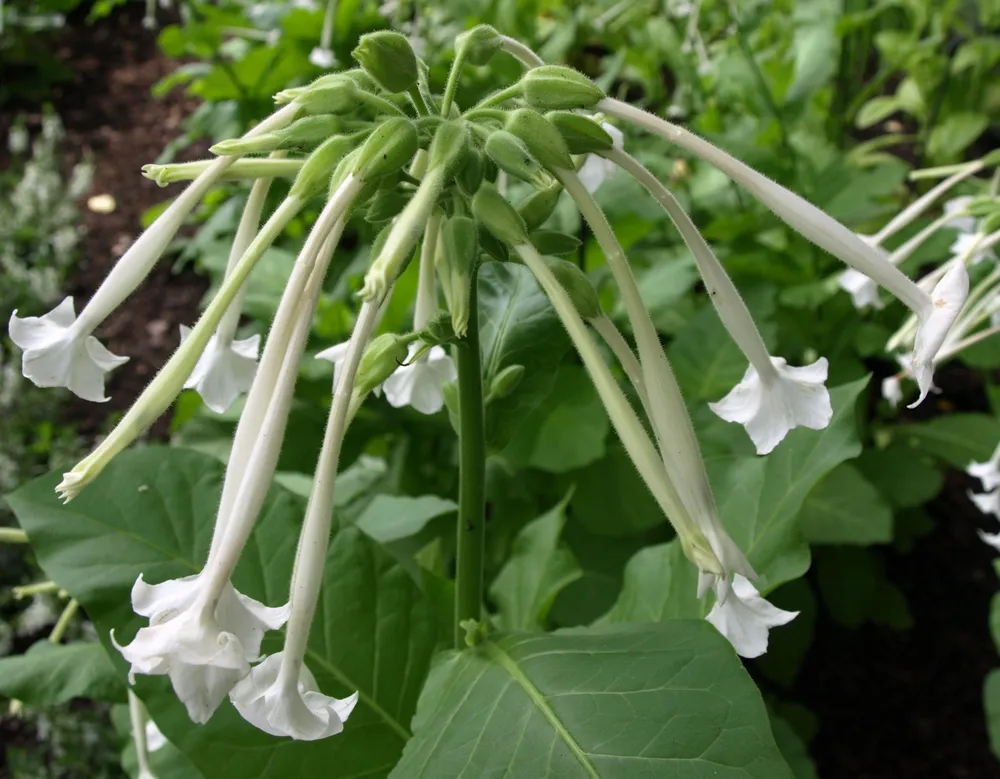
(418,384)
(993,539)
(967,243)
(987,502)
(744,617)
(892,390)
(223,373)
(798,398)
(964,224)
(55,355)
(986,472)
(947,300)
(154,737)
(863,291)
(322,58)
(304,714)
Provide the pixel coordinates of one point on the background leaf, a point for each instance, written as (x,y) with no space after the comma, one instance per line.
(49,673)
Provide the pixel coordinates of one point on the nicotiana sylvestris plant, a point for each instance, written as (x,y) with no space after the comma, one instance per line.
(375,136)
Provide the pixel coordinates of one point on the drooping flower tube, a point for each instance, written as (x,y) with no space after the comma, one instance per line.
(279,696)
(170,380)
(140,720)
(203,633)
(935,311)
(773,397)
(226,368)
(59,347)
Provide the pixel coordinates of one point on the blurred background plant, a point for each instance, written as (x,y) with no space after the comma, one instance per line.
(841,101)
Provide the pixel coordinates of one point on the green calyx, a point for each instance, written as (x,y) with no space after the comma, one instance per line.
(390,147)
(389,59)
(577,286)
(479,44)
(448,147)
(320,166)
(511,155)
(543,140)
(554,87)
(582,134)
(382,357)
(493,212)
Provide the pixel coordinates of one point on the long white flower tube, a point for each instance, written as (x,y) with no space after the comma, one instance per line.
(282,699)
(935,311)
(773,397)
(140,719)
(59,348)
(170,380)
(226,368)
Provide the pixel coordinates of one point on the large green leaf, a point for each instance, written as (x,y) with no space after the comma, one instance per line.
(152,512)
(958,439)
(49,673)
(759,501)
(642,701)
(537,570)
(392,517)
(517,327)
(844,508)
(991,703)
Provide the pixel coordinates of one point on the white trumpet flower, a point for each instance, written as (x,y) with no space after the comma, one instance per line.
(863,291)
(744,617)
(596,169)
(987,472)
(299,711)
(224,371)
(418,383)
(771,405)
(987,502)
(947,299)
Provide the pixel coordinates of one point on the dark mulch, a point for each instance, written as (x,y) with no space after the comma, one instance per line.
(108,112)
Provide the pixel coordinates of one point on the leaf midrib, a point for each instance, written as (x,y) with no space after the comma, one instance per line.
(391,721)
(506,662)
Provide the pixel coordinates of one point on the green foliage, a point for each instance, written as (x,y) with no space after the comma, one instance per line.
(50,673)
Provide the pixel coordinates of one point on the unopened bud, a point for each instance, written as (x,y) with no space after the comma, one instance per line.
(554,242)
(538,207)
(470,173)
(319,167)
(542,139)
(493,246)
(505,382)
(480,44)
(460,245)
(582,134)
(577,286)
(439,331)
(511,155)
(382,357)
(493,212)
(552,87)
(448,147)
(302,133)
(389,59)
(337,97)
(388,149)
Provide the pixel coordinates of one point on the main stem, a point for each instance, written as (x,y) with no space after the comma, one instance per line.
(472,475)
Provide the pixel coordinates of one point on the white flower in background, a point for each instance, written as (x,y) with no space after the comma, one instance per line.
(960,221)
(987,472)
(154,737)
(595,169)
(892,390)
(769,408)
(993,539)
(60,353)
(418,383)
(986,502)
(204,648)
(322,58)
(863,291)
(744,617)
(968,244)
(301,712)
(224,371)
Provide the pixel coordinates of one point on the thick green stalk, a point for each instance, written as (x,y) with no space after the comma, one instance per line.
(472,475)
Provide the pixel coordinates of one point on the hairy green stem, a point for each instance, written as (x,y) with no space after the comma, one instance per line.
(472,475)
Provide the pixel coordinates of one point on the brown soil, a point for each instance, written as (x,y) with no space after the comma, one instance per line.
(108,113)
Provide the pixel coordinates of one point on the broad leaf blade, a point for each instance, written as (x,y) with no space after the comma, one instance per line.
(152,512)
(49,674)
(665,700)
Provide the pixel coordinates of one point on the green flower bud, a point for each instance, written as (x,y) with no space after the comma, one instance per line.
(460,246)
(383,355)
(539,205)
(319,167)
(492,210)
(480,44)
(337,97)
(543,140)
(577,286)
(493,246)
(505,382)
(448,147)
(385,204)
(302,133)
(552,87)
(553,242)
(511,155)
(470,173)
(389,59)
(388,149)
(357,75)
(582,134)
